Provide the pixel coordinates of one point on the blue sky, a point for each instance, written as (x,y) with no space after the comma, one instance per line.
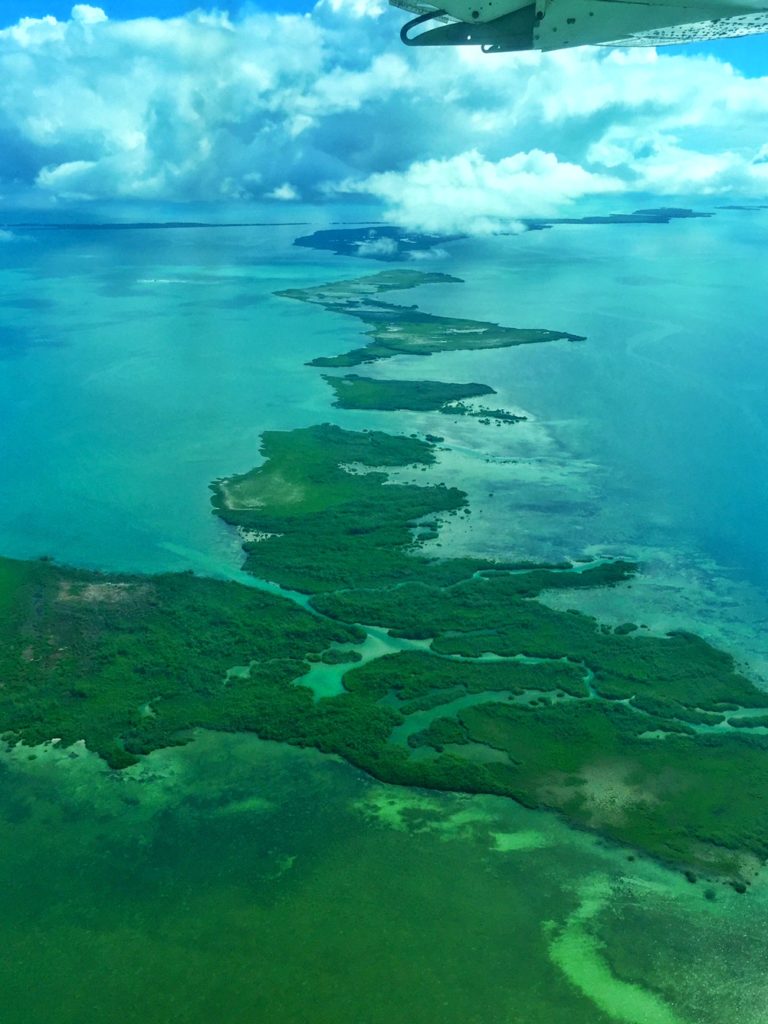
(748,54)
(266,105)
(12,10)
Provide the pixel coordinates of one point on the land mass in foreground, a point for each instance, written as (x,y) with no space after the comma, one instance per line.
(621,732)
(639,738)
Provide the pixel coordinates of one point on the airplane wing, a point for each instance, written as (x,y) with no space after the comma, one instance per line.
(503,25)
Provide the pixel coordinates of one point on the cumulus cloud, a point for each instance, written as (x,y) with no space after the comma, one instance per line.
(377,247)
(210,107)
(661,164)
(469,193)
(87,15)
(286,191)
(353,8)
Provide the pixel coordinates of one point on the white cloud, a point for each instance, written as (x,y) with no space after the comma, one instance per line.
(661,164)
(377,247)
(286,191)
(31,32)
(469,193)
(210,107)
(88,15)
(353,8)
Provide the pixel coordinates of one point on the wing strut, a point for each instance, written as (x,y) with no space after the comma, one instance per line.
(512,31)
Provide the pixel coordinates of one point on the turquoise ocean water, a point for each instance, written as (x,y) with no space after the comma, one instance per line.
(240,881)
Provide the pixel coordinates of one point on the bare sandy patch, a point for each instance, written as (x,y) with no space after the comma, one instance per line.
(258,492)
(256,536)
(605,789)
(744,865)
(99,593)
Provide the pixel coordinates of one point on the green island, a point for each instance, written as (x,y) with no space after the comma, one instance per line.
(405,330)
(651,741)
(356,392)
(133,663)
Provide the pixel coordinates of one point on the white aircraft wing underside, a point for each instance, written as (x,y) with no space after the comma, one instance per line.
(723,28)
(566,23)
(422,7)
(502,25)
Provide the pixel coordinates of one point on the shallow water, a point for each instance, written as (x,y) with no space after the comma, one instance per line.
(237,880)
(647,440)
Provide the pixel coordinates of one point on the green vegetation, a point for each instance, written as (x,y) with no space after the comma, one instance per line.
(614,728)
(131,663)
(590,762)
(396,330)
(361,288)
(481,611)
(671,708)
(597,710)
(482,412)
(752,722)
(441,733)
(334,519)
(618,730)
(355,392)
(433,699)
(416,674)
(595,723)
(334,656)
(639,778)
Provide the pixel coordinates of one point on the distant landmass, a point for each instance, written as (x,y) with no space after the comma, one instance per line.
(375,242)
(393,244)
(656,215)
(150,225)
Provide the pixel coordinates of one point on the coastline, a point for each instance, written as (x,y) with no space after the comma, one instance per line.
(326,519)
(282,861)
